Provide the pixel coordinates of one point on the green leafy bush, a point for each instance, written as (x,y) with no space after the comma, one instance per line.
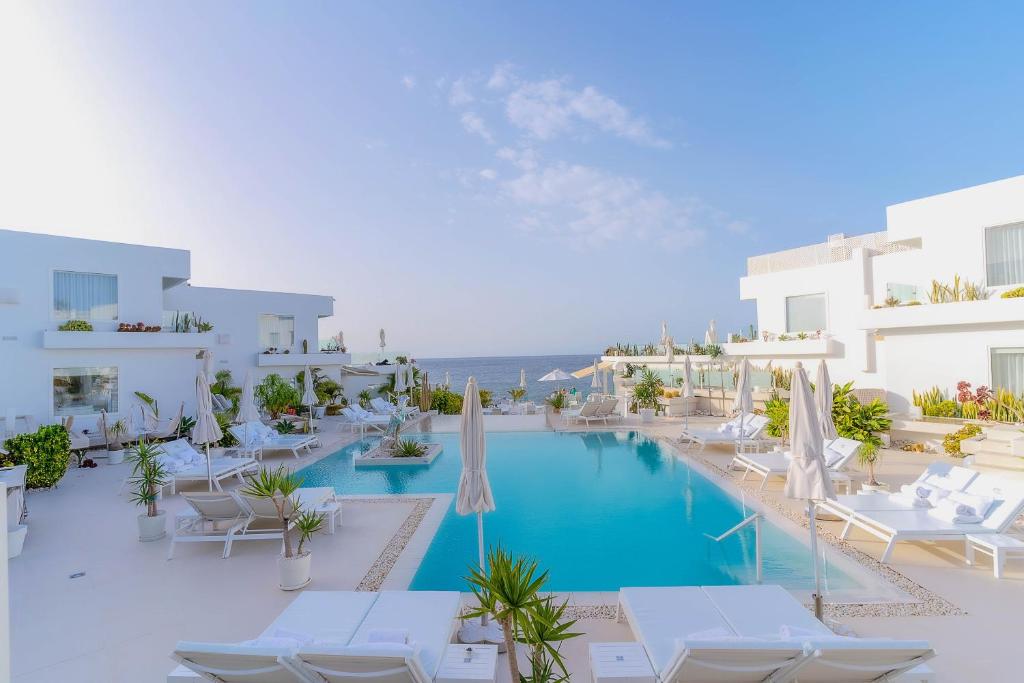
(486,397)
(1015,293)
(446,402)
(285,427)
(951,442)
(76,326)
(647,390)
(47,453)
(776,409)
(276,395)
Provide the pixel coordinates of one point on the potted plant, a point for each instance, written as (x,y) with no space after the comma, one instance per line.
(645,394)
(863,422)
(113,434)
(279,486)
(275,395)
(556,401)
(147,479)
(517,394)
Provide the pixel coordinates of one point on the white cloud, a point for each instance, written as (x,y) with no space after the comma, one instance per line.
(476,126)
(524,158)
(502,77)
(409,82)
(488,174)
(459,95)
(592,207)
(548,108)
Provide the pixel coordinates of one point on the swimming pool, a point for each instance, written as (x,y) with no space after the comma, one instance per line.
(600,510)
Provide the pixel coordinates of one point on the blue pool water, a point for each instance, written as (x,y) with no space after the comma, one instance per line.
(599,510)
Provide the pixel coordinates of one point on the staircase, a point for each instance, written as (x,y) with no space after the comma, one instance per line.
(997,447)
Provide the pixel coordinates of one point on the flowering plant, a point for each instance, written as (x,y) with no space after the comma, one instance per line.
(979,397)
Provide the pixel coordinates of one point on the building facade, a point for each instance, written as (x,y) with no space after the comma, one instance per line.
(47,373)
(916,306)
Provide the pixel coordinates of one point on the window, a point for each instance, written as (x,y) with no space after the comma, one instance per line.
(1008,369)
(84,296)
(277,331)
(905,293)
(84,391)
(806,313)
(1004,255)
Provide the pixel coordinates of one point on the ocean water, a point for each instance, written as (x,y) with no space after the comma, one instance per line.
(501,373)
(599,510)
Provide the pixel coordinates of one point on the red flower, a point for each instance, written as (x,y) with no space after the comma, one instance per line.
(963,386)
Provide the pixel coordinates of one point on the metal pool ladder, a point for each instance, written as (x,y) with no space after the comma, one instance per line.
(754,519)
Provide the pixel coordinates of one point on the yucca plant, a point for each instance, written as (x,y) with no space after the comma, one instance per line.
(507,590)
(148,476)
(543,633)
(517,393)
(307,524)
(407,448)
(277,485)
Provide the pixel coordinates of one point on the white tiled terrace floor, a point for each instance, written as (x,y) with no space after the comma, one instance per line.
(120,621)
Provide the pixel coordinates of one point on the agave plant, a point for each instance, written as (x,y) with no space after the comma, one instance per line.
(407,448)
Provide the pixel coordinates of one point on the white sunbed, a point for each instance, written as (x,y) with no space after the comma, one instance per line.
(257,437)
(753,633)
(185,465)
(838,453)
(329,615)
(893,526)
(325,636)
(938,475)
(226,517)
(382,407)
(753,428)
(362,419)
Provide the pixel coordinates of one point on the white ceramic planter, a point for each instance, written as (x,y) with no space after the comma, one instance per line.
(647,414)
(880,488)
(318,412)
(152,528)
(16,540)
(295,572)
(115,457)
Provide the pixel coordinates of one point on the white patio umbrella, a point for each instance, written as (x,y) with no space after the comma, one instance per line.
(687,390)
(410,379)
(744,399)
(207,430)
(670,356)
(447,378)
(474,495)
(595,381)
(556,375)
(308,394)
(664,333)
(247,410)
(399,379)
(711,336)
(522,378)
(382,344)
(807,478)
(340,338)
(823,400)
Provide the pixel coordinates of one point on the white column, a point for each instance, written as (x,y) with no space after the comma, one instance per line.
(5,619)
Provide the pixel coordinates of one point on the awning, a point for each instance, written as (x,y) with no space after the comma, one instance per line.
(589,370)
(362,372)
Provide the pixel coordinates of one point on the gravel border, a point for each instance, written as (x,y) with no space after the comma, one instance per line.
(385,562)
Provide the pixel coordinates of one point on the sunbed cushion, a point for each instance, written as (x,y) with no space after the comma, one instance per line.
(323,615)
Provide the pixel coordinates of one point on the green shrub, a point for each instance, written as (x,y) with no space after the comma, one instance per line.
(276,395)
(446,402)
(407,448)
(47,453)
(648,389)
(951,442)
(776,409)
(285,427)
(486,397)
(1015,293)
(76,326)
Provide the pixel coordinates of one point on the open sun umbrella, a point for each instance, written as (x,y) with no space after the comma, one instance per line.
(308,394)
(823,400)
(207,430)
(474,494)
(744,400)
(807,478)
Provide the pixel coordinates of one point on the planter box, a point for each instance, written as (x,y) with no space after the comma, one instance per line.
(264,360)
(55,339)
(960,313)
(373,457)
(794,348)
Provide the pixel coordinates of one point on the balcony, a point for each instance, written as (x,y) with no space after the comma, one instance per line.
(266,360)
(958,314)
(794,348)
(836,250)
(55,339)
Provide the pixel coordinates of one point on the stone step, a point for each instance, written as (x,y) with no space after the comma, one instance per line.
(998,462)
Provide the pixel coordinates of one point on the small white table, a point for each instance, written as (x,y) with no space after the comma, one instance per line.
(468,664)
(997,546)
(620,663)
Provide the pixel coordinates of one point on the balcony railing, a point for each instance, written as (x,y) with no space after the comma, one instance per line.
(836,250)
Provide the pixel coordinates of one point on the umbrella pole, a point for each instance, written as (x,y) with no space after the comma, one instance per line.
(209,467)
(480,548)
(818,605)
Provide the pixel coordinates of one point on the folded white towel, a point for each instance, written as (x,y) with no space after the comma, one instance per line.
(911,500)
(979,505)
(388,635)
(947,511)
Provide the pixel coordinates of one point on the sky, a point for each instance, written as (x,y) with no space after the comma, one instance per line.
(498,178)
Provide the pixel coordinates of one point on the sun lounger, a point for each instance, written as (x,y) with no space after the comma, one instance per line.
(362,419)
(938,476)
(893,526)
(753,427)
(382,407)
(753,633)
(256,436)
(313,615)
(185,464)
(607,412)
(589,411)
(839,454)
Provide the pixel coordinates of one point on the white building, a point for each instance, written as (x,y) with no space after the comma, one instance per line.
(47,374)
(841,288)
